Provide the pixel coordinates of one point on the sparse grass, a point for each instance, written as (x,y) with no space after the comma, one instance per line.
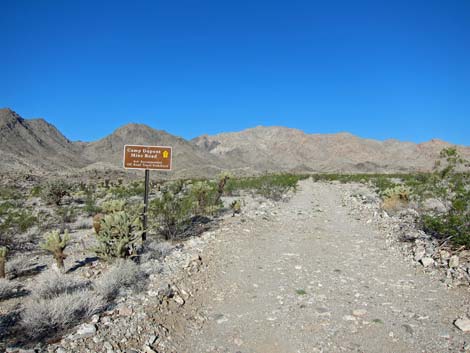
(8,289)
(121,275)
(50,284)
(300,291)
(43,317)
(9,193)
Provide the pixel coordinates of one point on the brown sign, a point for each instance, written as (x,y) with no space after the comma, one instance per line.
(147,157)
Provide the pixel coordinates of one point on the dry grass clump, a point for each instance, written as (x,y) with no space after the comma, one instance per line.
(41,317)
(51,284)
(8,289)
(122,274)
(394,204)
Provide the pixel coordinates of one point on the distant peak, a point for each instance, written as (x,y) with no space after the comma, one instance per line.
(7,115)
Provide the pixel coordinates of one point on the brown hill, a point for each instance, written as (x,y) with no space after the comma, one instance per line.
(188,159)
(37,145)
(34,144)
(284,149)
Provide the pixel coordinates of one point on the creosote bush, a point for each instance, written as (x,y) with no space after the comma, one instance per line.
(118,235)
(55,243)
(54,191)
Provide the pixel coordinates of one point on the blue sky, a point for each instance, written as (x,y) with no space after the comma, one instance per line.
(378,69)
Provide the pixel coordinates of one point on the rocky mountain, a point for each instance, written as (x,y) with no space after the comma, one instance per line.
(34,144)
(37,145)
(284,149)
(188,159)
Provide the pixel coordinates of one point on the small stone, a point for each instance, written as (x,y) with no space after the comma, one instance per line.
(419,253)
(95,318)
(60,350)
(359,312)
(454,261)
(238,341)
(85,330)
(427,261)
(463,324)
(349,318)
(444,254)
(125,311)
(107,346)
(408,328)
(178,299)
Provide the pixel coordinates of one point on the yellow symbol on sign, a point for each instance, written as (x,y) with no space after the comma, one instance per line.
(165,154)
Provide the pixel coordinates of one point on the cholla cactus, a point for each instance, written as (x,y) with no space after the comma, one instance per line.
(112,206)
(400,192)
(223,178)
(236,207)
(56,243)
(118,235)
(3,260)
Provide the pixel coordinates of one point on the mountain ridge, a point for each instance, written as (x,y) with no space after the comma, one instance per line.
(35,144)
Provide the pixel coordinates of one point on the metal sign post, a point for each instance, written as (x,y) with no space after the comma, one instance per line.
(147,158)
(146,202)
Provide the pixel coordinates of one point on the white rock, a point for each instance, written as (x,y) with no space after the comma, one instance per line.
(359,312)
(454,261)
(349,318)
(427,261)
(85,330)
(463,324)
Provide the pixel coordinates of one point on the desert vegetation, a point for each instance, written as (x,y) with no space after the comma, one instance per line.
(74,228)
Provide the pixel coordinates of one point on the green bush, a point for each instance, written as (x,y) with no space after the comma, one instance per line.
(118,236)
(270,186)
(172,210)
(54,191)
(112,206)
(66,214)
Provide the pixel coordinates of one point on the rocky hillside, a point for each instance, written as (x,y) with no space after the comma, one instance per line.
(37,145)
(285,149)
(188,159)
(34,144)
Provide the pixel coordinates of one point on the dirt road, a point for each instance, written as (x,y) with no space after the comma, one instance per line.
(309,277)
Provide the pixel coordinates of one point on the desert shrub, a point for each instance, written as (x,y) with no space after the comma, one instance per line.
(205,197)
(9,193)
(172,210)
(50,284)
(19,265)
(15,218)
(54,191)
(112,206)
(452,181)
(121,275)
(66,214)
(155,250)
(55,243)
(36,191)
(42,317)
(90,207)
(118,235)
(8,289)
(270,186)
(124,191)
